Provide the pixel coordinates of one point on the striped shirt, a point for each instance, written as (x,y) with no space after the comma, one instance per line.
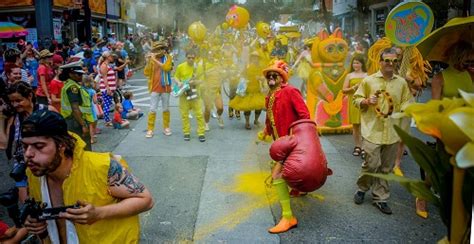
(111,80)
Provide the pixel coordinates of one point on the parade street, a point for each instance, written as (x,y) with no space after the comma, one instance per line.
(215,191)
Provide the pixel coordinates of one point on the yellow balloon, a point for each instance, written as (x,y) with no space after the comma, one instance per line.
(197,31)
(263,29)
(237,17)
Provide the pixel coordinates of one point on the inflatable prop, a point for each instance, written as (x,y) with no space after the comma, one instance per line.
(237,17)
(263,29)
(325,101)
(197,31)
(304,163)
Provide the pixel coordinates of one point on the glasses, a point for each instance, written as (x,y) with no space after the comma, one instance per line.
(390,60)
(272,76)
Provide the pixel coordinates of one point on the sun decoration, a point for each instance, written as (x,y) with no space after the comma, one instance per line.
(386,96)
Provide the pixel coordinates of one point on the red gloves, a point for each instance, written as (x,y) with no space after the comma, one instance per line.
(304,163)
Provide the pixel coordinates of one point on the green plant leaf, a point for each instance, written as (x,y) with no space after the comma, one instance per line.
(468,97)
(423,155)
(463,118)
(465,156)
(417,188)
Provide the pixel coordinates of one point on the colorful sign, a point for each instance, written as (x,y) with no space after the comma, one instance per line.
(408,23)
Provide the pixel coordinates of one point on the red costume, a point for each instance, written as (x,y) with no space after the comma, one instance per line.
(287,106)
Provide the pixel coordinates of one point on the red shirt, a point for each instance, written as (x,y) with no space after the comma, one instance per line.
(55,88)
(47,72)
(288,107)
(117,117)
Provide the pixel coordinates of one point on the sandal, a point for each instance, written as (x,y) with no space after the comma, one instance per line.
(231,113)
(357,151)
(420,206)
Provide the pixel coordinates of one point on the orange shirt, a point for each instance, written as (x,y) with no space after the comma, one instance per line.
(156,85)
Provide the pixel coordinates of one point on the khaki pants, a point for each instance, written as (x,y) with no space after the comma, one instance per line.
(378,159)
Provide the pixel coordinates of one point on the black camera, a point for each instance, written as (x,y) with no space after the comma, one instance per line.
(191,93)
(31,207)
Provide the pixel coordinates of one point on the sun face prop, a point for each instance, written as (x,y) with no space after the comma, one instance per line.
(237,17)
(263,29)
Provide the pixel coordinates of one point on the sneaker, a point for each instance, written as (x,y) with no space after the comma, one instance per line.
(202,138)
(206,127)
(359,197)
(190,115)
(214,114)
(383,207)
(167,132)
(187,137)
(149,134)
(220,122)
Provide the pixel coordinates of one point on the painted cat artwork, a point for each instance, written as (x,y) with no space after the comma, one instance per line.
(327,105)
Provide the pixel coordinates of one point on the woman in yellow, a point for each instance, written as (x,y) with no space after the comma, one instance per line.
(210,72)
(357,73)
(253,99)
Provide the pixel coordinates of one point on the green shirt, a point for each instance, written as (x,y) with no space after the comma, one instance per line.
(377,129)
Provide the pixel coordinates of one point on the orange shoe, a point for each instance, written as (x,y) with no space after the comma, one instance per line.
(284,225)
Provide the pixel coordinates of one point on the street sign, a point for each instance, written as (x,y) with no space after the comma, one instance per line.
(408,23)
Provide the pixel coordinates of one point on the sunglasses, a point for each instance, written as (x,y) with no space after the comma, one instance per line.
(272,76)
(389,60)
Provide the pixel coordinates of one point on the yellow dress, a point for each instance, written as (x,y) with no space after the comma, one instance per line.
(254,99)
(354,112)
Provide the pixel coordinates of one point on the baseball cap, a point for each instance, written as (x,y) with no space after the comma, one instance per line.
(44,123)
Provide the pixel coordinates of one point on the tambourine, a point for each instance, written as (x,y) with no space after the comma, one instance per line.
(389,99)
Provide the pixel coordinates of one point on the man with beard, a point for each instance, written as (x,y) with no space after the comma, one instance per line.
(285,105)
(61,173)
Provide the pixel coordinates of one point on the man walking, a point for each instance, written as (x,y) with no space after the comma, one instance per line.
(378,96)
(285,105)
(157,70)
(186,73)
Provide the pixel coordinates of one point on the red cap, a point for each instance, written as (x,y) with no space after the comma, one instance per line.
(57,59)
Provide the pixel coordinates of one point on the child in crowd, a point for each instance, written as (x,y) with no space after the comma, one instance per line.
(88,85)
(55,87)
(129,111)
(118,122)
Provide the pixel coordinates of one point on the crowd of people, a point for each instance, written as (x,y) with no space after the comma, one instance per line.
(46,93)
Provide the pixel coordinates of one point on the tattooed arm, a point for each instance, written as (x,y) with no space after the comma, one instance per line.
(135,198)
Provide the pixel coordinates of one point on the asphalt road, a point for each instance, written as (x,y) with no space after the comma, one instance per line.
(215,192)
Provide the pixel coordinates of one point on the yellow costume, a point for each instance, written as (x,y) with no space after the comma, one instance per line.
(254,99)
(354,112)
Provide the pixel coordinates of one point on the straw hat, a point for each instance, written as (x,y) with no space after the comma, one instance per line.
(45,53)
(158,45)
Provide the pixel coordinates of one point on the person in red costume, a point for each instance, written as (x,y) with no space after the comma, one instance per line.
(285,105)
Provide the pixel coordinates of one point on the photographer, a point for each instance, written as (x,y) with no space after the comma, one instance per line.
(23,101)
(61,173)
